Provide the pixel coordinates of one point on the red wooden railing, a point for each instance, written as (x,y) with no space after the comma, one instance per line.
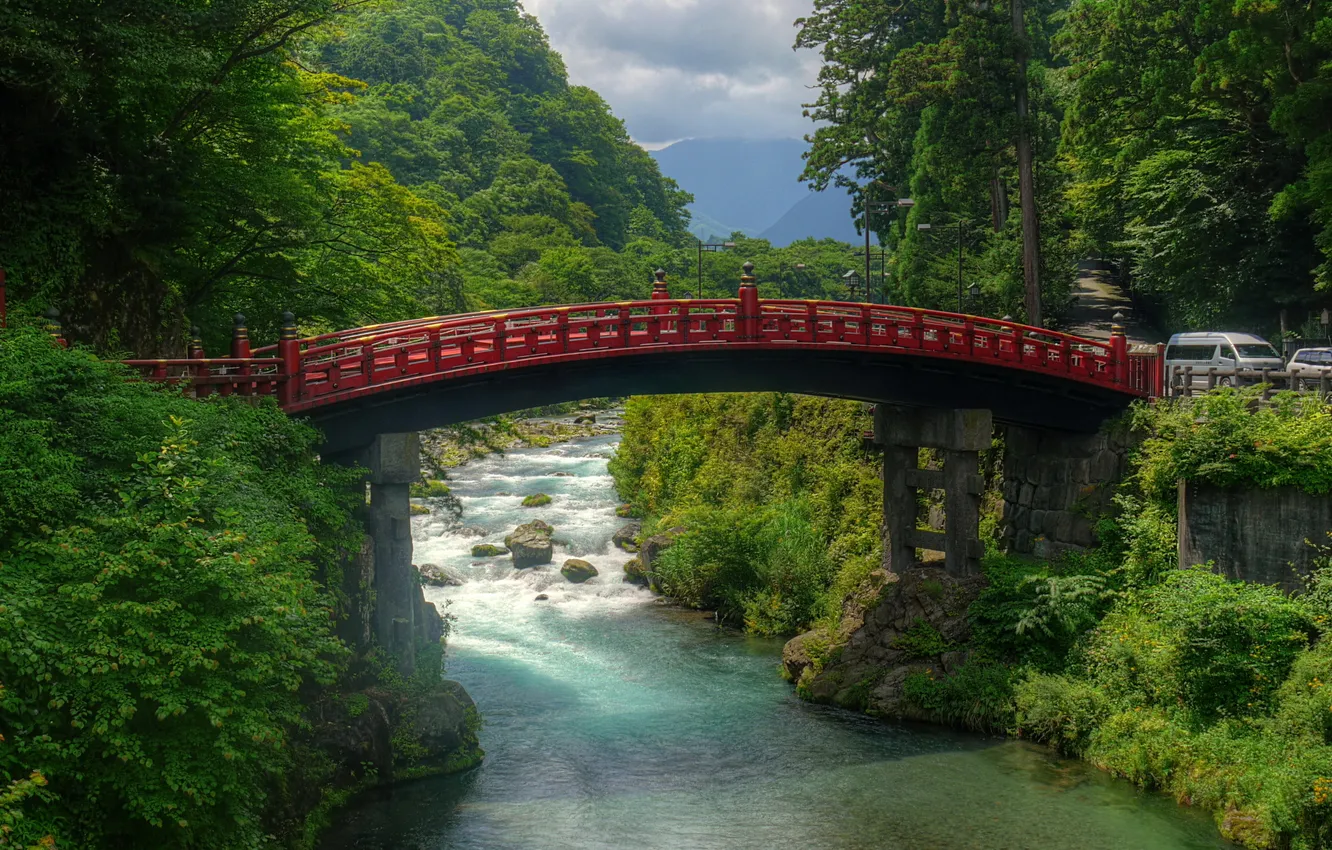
(323,370)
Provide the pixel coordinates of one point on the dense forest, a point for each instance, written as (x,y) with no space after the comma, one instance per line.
(172,164)
(1189,142)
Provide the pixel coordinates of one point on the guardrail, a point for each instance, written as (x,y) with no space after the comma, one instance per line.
(328,368)
(1183,378)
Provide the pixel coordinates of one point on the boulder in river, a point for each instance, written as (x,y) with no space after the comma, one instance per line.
(530,545)
(578,571)
(633,572)
(437,576)
(625,536)
(536,500)
(488,550)
(541,597)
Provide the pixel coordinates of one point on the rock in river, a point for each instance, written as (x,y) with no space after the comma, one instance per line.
(625,536)
(530,544)
(577,570)
(488,550)
(437,576)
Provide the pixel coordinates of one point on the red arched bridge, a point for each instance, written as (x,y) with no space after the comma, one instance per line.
(418,374)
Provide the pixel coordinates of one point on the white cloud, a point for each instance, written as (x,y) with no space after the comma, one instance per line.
(688,68)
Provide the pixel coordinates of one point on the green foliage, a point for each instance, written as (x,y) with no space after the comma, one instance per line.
(1226,439)
(921,640)
(157,625)
(977,696)
(921,97)
(1061,604)
(780,502)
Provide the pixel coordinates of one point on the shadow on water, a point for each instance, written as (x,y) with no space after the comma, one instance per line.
(612,722)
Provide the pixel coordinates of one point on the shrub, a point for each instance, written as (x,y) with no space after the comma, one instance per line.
(977,696)
(160,604)
(1059,710)
(1216,647)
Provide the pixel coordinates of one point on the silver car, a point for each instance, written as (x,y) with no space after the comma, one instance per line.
(1308,367)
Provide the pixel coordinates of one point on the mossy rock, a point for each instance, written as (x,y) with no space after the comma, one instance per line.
(624,511)
(488,550)
(420,510)
(430,490)
(578,571)
(536,500)
(634,574)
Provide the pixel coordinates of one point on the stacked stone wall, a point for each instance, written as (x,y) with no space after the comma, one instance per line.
(1057,486)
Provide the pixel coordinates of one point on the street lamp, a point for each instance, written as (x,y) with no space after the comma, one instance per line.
(708,246)
(852,281)
(960,257)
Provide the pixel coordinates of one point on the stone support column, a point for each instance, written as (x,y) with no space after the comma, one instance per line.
(961,435)
(393,464)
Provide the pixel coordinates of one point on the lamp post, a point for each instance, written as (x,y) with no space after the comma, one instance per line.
(872,206)
(960,255)
(852,281)
(708,246)
(974,292)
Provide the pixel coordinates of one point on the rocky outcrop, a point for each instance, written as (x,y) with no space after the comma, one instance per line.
(915,622)
(578,571)
(633,572)
(625,536)
(488,550)
(530,545)
(437,576)
(366,731)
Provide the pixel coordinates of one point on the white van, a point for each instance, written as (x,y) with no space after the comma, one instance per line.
(1227,353)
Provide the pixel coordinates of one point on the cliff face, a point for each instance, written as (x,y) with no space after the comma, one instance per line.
(895,626)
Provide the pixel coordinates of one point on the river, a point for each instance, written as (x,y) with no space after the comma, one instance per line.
(613,721)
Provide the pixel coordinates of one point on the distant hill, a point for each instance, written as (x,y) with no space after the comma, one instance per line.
(753,186)
(821,215)
(745,184)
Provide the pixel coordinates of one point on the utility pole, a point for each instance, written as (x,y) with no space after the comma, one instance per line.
(960,222)
(869,194)
(1031,239)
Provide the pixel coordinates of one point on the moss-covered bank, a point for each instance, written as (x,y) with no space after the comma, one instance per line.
(1181,681)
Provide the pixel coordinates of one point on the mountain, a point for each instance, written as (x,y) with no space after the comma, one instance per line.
(744,183)
(753,186)
(820,215)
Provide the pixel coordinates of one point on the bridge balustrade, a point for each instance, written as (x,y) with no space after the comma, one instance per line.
(331,367)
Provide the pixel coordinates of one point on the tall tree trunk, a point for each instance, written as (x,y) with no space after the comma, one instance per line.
(1031,239)
(998,201)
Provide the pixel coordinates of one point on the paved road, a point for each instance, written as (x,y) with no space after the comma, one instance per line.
(1096,300)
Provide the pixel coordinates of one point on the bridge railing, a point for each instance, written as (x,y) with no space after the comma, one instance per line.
(306,373)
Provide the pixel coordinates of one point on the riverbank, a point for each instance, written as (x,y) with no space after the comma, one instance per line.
(1096,653)
(612,720)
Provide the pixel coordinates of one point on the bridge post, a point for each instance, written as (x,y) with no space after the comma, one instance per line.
(396,615)
(289,362)
(1119,353)
(659,289)
(748,320)
(196,352)
(962,435)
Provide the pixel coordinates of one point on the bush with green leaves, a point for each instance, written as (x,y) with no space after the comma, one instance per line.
(161,609)
(1226,438)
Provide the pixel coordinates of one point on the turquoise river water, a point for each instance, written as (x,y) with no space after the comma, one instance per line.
(613,721)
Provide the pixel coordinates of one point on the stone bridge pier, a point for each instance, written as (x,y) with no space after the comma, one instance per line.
(1056,485)
(961,435)
(387,605)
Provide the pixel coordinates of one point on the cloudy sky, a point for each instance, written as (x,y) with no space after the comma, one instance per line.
(675,69)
